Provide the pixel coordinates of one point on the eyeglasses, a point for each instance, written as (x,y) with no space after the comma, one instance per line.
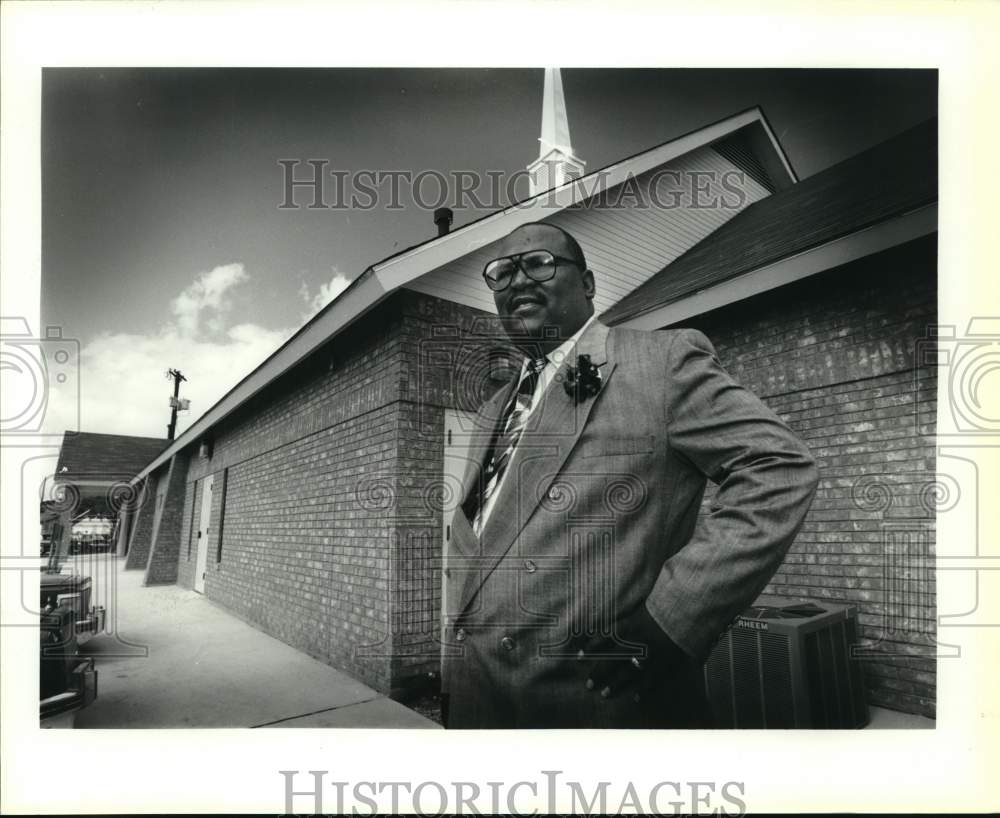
(538,265)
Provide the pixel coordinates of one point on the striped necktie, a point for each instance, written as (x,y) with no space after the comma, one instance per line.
(516,416)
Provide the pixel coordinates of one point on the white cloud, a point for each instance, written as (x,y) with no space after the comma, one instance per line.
(123,388)
(122,384)
(327,292)
(121,376)
(207,295)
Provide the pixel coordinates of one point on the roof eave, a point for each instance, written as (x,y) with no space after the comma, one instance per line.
(883,235)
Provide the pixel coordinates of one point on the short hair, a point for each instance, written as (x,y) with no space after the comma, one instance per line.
(574,246)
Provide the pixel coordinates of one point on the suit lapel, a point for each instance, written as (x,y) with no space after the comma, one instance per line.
(552,431)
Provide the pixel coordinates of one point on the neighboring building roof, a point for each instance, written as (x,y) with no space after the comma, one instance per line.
(440,253)
(91,456)
(892,178)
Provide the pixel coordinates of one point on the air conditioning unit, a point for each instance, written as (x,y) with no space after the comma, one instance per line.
(788,665)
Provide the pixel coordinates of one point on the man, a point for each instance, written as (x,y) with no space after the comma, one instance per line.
(584,590)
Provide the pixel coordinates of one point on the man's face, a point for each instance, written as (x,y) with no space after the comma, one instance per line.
(564,301)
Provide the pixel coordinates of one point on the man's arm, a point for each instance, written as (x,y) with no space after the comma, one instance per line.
(766,481)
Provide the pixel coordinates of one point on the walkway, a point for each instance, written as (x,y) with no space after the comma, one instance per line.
(172,658)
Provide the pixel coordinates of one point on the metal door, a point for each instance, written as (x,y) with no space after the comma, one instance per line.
(206,517)
(458,427)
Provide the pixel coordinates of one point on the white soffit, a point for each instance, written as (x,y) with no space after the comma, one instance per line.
(625,245)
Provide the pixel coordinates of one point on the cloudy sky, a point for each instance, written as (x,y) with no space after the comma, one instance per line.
(164,243)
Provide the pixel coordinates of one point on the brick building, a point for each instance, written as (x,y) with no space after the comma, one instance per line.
(93,476)
(313,500)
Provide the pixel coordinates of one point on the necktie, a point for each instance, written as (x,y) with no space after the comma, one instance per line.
(516,412)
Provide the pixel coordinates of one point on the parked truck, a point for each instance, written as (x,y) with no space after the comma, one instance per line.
(67,618)
(67,681)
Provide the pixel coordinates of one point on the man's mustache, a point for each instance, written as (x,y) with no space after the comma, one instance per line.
(524,298)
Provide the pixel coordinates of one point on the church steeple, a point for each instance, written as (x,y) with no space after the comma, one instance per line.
(556,162)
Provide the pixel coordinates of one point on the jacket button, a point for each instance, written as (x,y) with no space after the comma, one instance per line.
(447,573)
(507,643)
(460,635)
(530,566)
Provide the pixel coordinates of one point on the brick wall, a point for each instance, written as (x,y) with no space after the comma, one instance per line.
(305,545)
(834,356)
(449,361)
(188,556)
(141,536)
(329,540)
(161,567)
(302,557)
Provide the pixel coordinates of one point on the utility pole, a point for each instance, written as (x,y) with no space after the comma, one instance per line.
(175,402)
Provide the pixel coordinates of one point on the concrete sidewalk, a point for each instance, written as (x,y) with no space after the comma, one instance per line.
(171,658)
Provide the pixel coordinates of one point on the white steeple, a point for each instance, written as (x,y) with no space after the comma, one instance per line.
(556,163)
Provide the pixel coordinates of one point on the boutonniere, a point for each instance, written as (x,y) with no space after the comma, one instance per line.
(583,380)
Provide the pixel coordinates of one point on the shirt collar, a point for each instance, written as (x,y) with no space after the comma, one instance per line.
(556,357)
(562,352)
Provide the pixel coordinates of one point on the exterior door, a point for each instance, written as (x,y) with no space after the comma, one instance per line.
(206,517)
(457,437)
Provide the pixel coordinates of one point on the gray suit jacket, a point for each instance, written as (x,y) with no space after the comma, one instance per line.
(599,513)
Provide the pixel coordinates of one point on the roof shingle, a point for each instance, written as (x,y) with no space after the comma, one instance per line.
(887,180)
(112,457)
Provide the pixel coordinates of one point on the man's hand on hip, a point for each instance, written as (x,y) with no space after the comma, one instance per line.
(617,667)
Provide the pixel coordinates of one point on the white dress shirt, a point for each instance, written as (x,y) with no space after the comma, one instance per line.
(554,360)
